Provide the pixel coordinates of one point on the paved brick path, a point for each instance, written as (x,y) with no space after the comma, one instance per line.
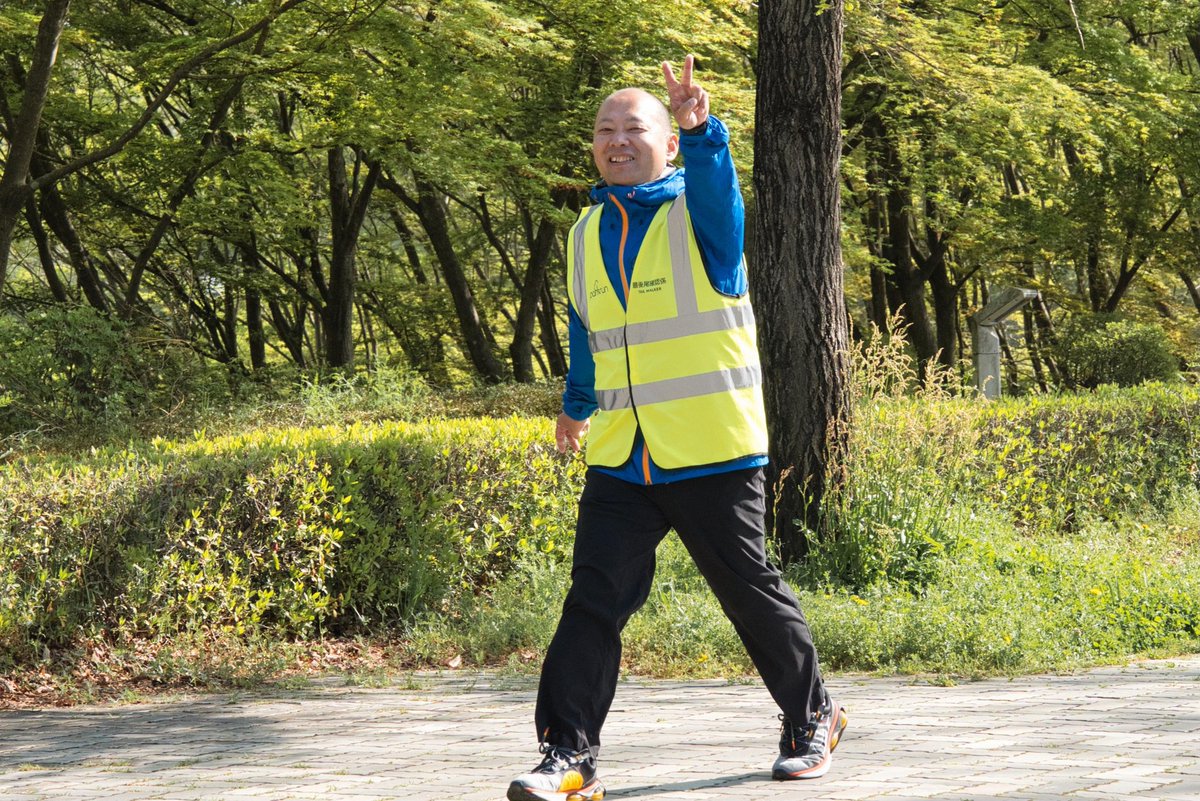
(1111,734)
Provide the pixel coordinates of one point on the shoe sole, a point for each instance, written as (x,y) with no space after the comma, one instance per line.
(821,768)
(592,792)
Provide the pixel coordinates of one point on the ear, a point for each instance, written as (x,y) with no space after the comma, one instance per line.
(672,146)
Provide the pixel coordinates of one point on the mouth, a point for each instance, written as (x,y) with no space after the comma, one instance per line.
(620,159)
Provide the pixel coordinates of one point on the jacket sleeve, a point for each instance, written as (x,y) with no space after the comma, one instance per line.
(579,398)
(715,203)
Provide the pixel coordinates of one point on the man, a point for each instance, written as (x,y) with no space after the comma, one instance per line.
(665,376)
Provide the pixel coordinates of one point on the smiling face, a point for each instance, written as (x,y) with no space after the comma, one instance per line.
(632,142)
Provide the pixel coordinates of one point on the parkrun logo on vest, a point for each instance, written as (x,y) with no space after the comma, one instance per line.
(598,289)
(649,286)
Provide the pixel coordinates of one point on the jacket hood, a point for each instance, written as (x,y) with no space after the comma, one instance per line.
(654,193)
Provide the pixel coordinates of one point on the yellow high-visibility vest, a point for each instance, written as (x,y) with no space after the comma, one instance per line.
(679,359)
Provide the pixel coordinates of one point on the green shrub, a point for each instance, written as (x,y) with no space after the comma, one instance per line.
(72,369)
(899,476)
(456,535)
(897,507)
(1009,603)
(290,532)
(1103,349)
(919,459)
(1049,461)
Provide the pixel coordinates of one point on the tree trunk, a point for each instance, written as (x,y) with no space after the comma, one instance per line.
(433,219)
(348,208)
(54,212)
(1093,214)
(57,289)
(908,280)
(551,342)
(14,182)
(945,311)
(877,308)
(797,284)
(521,349)
(229,333)
(254,330)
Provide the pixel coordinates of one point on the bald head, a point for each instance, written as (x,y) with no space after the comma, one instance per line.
(633,140)
(651,105)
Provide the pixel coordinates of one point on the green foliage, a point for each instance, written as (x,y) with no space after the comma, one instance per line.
(290,533)
(919,461)
(1008,603)
(68,369)
(893,512)
(1104,349)
(971,538)
(1052,461)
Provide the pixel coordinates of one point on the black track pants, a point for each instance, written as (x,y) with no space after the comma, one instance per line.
(719,519)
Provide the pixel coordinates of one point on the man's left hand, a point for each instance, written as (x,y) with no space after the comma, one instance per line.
(689,103)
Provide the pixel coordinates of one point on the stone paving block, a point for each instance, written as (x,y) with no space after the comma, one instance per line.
(339,743)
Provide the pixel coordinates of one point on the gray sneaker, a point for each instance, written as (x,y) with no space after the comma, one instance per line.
(563,775)
(806,752)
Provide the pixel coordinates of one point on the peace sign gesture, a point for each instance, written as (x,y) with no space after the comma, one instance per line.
(689,103)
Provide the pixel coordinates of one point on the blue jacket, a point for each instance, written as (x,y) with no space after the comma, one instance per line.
(718,218)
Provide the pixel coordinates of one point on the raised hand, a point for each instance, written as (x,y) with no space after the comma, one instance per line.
(689,103)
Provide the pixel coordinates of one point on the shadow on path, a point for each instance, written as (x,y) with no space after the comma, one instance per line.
(131,735)
(650,790)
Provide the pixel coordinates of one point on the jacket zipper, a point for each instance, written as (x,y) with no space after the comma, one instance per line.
(628,374)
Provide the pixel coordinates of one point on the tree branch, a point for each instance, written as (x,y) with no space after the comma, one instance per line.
(181,72)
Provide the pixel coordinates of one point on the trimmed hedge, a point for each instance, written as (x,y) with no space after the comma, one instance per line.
(291,533)
(1050,460)
(301,532)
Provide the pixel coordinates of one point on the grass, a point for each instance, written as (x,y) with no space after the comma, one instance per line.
(921,568)
(1002,604)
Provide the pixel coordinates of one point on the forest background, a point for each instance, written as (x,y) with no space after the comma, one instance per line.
(366,184)
(246,216)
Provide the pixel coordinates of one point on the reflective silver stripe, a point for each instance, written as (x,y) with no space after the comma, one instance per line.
(699,323)
(708,322)
(611,400)
(692,386)
(578,239)
(673,389)
(681,257)
(608,339)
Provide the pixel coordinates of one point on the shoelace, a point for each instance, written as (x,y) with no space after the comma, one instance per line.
(554,757)
(793,734)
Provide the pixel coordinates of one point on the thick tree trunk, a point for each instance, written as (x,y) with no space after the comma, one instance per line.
(797,284)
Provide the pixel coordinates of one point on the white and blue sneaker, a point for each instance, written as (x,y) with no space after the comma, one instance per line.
(563,775)
(806,752)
